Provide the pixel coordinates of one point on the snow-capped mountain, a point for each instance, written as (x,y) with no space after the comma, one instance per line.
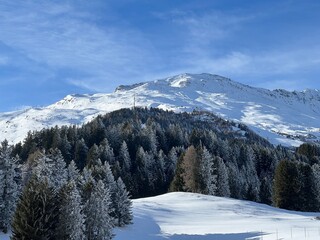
(283,117)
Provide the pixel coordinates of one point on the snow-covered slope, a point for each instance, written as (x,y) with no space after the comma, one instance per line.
(283,117)
(188,216)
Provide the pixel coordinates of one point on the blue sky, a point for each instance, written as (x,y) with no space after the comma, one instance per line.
(49,49)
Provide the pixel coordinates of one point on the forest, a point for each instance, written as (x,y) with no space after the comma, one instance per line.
(131,153)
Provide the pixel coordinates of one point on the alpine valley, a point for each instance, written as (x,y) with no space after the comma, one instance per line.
(280,116)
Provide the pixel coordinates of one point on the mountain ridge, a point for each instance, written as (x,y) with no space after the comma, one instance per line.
(281,116)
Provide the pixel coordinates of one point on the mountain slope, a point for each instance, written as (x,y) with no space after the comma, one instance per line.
(190,216)
(194,216)
(282,117)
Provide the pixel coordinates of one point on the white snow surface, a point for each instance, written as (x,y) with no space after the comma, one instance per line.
(189,216)
(283,117)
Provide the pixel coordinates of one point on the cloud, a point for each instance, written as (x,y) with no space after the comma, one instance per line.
(4,60)
(205,27)
(63,39)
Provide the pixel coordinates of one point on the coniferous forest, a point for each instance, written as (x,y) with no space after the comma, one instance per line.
(75,182)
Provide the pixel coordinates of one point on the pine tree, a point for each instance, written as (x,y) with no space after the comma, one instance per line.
(9,186)
(71,218)
(98,221)
(177,183)
(170,164)
(286,186)
(124,158)
(36,215)
(208,172)
(93,156)
(223,189)
(122,205)
(316,183)
(80,154)
(106,152)
(58,168)
(73,172)
(43,166)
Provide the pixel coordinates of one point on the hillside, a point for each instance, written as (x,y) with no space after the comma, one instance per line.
(283,117)
(187,216)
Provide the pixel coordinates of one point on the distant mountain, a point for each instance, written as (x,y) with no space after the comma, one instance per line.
(283,117)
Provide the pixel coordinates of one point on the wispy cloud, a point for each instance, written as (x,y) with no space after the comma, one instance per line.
(4,60)
(62,42)
(63,39)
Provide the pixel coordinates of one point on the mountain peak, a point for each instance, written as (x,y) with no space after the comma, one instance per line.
(287,118)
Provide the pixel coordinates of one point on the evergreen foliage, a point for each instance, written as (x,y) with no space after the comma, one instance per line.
(36,216)
(122,205)
(71,218)
(98,222)
(154,151)
(9,185)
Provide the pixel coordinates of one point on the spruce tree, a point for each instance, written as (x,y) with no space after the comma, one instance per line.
(122,205)
(73,172)
(36,215)
(223,189)
(71,218)
(124,158)
(208,172)
(98,221)
(106,152)
(58,168)
(286,186)
(9,186)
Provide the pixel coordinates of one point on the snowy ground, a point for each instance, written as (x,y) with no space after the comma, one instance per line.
(187,216)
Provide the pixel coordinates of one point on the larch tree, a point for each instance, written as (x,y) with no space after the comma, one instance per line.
(191,171)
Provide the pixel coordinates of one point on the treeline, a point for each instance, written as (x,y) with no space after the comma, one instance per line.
(142,146)
(44,198)
(155,151)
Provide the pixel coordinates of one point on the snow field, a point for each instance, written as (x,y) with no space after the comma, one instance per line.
(187,216)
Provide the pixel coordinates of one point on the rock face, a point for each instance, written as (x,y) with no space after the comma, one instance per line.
(283,117)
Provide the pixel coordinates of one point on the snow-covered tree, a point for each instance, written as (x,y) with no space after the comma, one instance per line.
(122,205)
(208,172)
(316,179)
(106,152)
(71,224)
(58,168)
(9,186)
(124,158)
(99,222)
(93,155)
(223,188)
(73,172)
(43,166)
(171,163)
